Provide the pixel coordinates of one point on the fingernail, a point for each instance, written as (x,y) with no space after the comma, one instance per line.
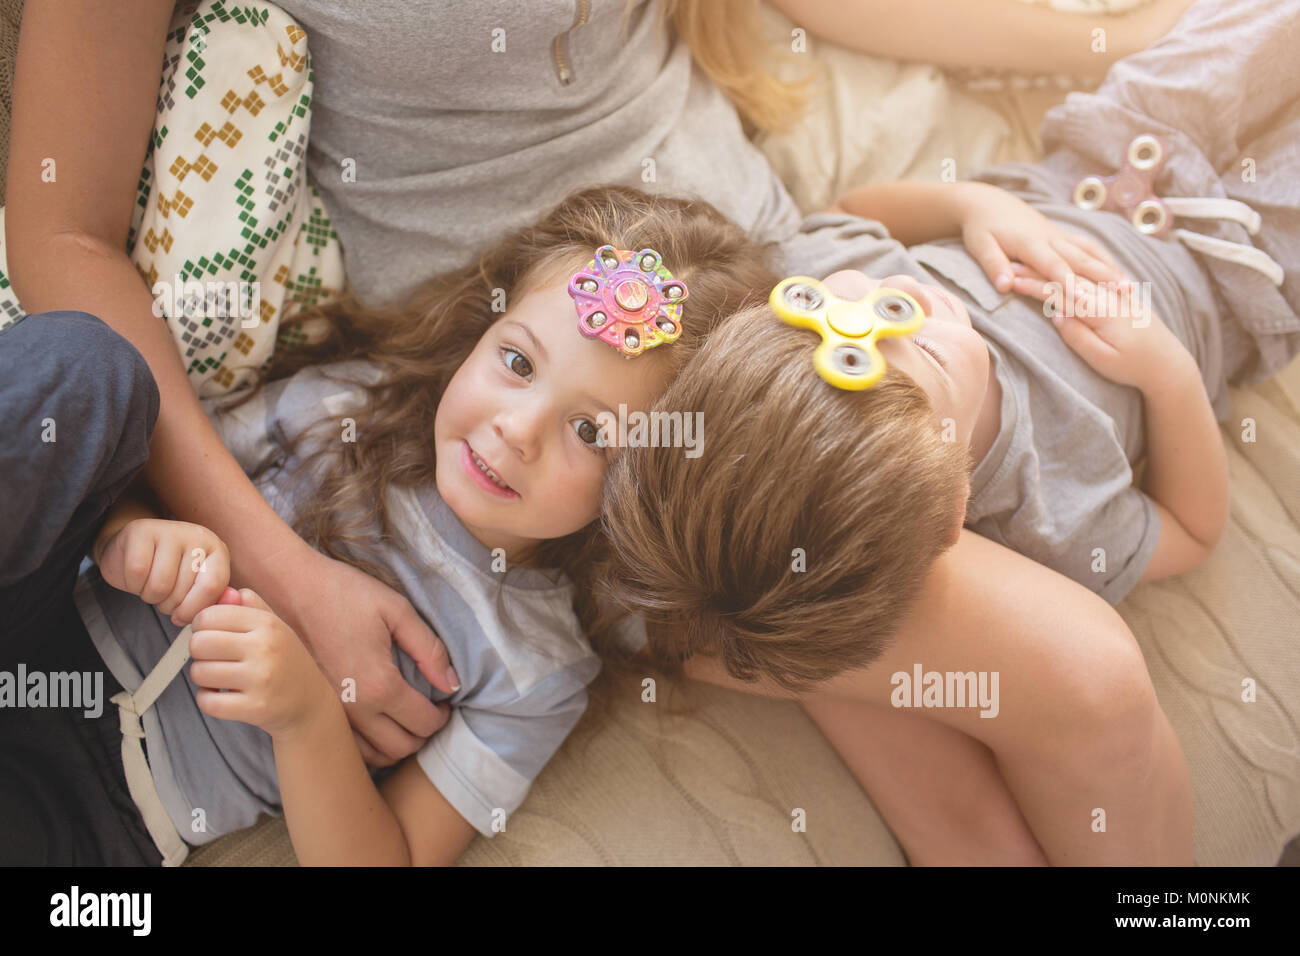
(452,679)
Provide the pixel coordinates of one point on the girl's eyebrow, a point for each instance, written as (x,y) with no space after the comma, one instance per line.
(532,338)
(538,346)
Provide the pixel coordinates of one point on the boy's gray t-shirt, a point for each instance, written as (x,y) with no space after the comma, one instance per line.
(522,658)
(1058,483)
(455,125)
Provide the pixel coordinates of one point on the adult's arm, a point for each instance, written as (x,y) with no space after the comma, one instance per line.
(1004,34)
(85,91)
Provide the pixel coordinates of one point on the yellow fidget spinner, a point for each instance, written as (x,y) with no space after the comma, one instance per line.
(848,357)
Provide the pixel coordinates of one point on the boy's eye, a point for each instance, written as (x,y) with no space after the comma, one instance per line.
(589,433)
(517,362)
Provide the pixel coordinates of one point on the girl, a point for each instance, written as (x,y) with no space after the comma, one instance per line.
(1024,430)
(457,452)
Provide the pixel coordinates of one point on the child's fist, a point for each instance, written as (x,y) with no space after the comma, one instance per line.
(252,667)
(179,567)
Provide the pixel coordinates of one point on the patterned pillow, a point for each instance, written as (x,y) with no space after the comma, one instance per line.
(227,230)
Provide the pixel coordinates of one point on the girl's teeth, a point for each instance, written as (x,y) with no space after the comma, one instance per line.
(488,471)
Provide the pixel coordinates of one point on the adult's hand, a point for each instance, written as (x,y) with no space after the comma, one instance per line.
(350,622)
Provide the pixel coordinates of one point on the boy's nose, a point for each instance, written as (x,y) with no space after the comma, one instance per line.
(850,284)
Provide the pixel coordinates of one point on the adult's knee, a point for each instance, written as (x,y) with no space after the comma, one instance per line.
(79,405)
(71,364)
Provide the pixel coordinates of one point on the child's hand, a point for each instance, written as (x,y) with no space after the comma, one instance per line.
(239,646)
(997,228)
(180,567)
(1111,329)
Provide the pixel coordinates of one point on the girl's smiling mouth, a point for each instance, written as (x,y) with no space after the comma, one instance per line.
(482,474)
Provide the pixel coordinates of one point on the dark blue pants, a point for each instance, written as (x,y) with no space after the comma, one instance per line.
(77,407)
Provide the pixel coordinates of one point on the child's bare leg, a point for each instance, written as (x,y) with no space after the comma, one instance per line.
(1078,729)
(939,790)
(1078,726)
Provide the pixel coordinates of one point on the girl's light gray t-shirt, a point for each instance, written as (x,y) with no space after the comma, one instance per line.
(440,127)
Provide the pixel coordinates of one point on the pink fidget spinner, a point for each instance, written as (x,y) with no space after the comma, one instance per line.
(1131,191)
(628,300)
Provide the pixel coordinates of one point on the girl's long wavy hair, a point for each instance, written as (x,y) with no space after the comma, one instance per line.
(419,344)
(727,41)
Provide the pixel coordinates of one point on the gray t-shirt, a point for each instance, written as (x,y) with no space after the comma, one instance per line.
(461,127)
(522,658)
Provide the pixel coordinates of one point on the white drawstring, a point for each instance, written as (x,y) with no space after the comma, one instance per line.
(1249,256)
(1201,208)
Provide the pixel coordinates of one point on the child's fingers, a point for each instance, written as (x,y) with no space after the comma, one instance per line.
(216,645)
(207,587)
(251,598)
(162,573)
(1033,286)
(369,754)
(186,574)
(220,675)
(1084,341)
(984,249)
(1049,263)
(1085,264)
(1092,247)
(229,617)
(231,705)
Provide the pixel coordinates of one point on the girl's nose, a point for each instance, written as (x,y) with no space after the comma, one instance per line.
(519,428)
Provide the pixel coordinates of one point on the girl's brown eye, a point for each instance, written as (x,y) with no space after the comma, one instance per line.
(588,433)
(518,363)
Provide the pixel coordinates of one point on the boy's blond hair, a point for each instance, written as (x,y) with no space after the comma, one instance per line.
(793,546)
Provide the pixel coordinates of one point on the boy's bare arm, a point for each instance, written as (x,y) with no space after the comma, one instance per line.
(1187,467)
(913,212)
